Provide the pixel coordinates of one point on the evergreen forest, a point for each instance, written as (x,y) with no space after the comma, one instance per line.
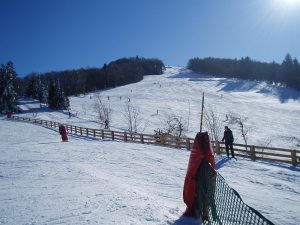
(287,73)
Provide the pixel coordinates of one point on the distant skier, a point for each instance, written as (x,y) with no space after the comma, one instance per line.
(228,137)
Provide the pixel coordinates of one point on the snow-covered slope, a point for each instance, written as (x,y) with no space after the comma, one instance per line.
(273,112)
(88,181)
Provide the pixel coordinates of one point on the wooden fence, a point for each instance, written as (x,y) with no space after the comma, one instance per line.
(247,151)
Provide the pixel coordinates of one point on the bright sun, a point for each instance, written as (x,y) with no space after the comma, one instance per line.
(287,4)
(285,8)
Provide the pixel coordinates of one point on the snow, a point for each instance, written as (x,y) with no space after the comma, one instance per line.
(92,181)
(272,112)
(86,181)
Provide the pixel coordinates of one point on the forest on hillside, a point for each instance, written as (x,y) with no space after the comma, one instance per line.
(286,73)
(53,88)
(117,73)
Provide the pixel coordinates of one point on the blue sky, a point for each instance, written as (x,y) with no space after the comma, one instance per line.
(53,35)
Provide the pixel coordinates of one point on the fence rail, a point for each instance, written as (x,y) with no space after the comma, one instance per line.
(247,151)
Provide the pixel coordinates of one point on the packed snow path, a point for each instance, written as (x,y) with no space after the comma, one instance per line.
(87,181)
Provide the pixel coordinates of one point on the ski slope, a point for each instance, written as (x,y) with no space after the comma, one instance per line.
(272,112)
(88,181)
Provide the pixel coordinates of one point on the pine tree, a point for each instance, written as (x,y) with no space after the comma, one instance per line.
(287,69)
(31,90)
(56,96)
(296,74)
(52,95)
(8,94)
(41,91)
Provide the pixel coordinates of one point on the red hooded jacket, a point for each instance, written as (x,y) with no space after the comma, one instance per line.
(201,151)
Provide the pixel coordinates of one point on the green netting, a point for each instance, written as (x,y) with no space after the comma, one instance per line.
(219,204)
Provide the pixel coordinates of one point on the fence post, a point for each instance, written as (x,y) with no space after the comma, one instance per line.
(80,130)
(87,131)
(162,140)
(252,153)
(218,147)
(112,135)
(102,134)
(125,137)
(94,133)
(188,144)
(177,142)
(294,157)
(142,138)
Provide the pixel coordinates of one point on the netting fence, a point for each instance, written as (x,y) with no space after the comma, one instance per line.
(223,204)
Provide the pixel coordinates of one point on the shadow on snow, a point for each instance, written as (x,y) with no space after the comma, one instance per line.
(236,85)
(184,220)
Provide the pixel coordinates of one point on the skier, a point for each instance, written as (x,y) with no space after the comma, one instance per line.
(63,133)
(228,137)
(200,178)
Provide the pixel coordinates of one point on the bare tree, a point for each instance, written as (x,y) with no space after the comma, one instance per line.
(175,125)
(240,121)
(292,140)
(132,116)
(83,106)
(213,123)
(103,110)
(34,112)
(264,144)
(188,122)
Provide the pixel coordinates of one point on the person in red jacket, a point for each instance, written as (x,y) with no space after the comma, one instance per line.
(63,133)
(201,155)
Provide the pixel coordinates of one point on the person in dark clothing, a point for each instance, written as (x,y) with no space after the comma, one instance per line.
(106,124)
(228,137)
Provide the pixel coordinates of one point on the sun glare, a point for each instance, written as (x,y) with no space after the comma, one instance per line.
(287,4)
(285,8)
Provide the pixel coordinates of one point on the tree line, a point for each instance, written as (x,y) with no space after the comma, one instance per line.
(120,72)
(288,72)
(53,88)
